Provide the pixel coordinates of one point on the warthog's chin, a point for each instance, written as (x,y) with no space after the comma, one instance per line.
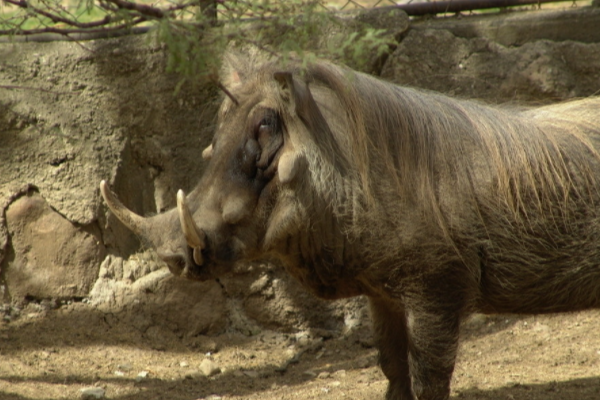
(214,264)
(197,273)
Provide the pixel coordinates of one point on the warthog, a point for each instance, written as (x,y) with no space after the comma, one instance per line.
(432,207)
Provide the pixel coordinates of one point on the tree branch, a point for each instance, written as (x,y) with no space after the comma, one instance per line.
(145,11)
(69,31)
(76,37)
(140,8)
(56,18)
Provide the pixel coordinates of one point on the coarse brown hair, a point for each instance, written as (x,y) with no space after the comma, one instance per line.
(536,160)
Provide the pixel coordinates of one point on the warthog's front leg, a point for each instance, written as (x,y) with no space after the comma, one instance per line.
(417,339)
(433,342)
(391,335)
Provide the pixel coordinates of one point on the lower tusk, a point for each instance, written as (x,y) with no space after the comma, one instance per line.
(198,256)
(193,235)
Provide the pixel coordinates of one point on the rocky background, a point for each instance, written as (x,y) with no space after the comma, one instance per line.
(72,114)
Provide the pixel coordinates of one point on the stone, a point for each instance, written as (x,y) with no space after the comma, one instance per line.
(303,337)
(310,373)
(252,374)
(90,393)
(209,368)
(126,367)
(258,285)
(53,258)
(480,68)
(187,307)
(193,374)
(394,22)
(340,373)
(141,376)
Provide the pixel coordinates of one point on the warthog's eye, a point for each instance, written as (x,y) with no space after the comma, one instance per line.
(269,137)
(267,126)
(256,154)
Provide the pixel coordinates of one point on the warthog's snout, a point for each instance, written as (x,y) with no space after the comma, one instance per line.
(183,258)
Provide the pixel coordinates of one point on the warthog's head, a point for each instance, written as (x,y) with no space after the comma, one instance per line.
(247,203)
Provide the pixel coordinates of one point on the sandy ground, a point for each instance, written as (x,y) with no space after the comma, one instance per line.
(54,354)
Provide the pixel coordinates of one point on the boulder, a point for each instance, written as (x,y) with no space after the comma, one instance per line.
(537,72)
(51,257)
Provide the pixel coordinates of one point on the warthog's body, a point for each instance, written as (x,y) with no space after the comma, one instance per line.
(433,208)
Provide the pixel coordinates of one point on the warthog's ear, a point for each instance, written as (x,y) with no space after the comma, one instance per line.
(306,108)
(298,94)
(231,75)
(302,101)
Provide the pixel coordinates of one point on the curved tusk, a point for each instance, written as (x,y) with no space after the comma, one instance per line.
(198,256)
(194,236)
(207,153)
(130,219)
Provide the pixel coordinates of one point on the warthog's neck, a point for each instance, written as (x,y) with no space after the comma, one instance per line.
(325,259)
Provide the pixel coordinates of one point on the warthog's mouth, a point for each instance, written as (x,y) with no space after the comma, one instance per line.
(190,270)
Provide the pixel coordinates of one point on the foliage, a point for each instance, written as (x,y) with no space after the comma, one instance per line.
(197,32)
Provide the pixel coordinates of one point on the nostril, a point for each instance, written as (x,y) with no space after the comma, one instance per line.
(175,262)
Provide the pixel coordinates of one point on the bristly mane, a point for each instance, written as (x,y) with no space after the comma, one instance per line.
(536,160)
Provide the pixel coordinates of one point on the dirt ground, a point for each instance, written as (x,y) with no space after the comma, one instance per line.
(54,353)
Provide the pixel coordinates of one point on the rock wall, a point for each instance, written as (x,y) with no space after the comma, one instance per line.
(529,58)
(77,113)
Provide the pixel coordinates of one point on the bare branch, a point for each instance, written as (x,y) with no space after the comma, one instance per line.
(140,8)
(69,31)
(180,6)
(58,19)
(104,23)
(438,7)
(76,37)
